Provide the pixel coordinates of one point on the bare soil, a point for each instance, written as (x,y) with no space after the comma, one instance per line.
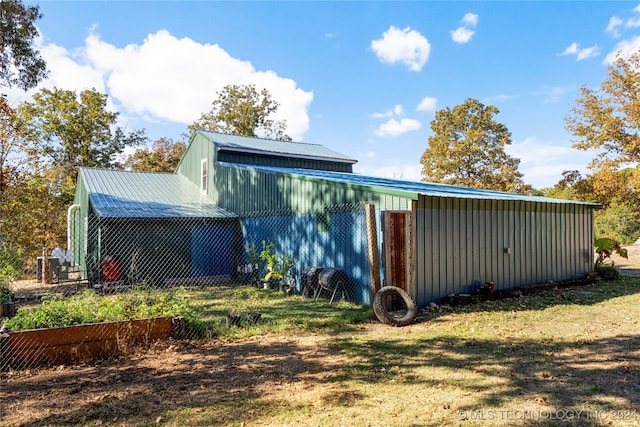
(629,266)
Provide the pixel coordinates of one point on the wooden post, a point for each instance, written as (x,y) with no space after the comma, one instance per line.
(46,271)
(372,239)
(412,284)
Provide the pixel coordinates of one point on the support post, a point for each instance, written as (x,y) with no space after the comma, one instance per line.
(372,240)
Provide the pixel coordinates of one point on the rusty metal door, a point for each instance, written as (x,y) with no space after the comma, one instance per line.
(398,249)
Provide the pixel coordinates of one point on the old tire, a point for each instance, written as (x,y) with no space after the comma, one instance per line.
(383,313)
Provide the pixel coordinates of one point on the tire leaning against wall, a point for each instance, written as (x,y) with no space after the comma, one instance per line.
(380,309)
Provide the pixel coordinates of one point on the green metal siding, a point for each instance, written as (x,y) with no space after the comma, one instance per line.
(244,190)
(461,242)
(285,162)
(199,148)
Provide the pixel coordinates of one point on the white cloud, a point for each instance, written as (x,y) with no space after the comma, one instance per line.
(588,52)
(572,49)
(612,27)
(470,19)
(409,172)
(553,94)
(462,35)
(495,99)
(581,53)
(633,22)
(393,127)
(624,48)
(169,79)
(542,163)
(406,46)
(397,110)
(67,71)
(428,103)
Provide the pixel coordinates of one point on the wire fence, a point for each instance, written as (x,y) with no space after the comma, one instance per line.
(130,281)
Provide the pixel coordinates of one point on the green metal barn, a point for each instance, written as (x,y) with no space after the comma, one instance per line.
(130,218)
(431,239)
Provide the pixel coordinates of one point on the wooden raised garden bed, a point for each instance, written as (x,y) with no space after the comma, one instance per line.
(81,343)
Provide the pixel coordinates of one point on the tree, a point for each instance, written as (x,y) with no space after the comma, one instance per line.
(76,130)
(20,63)
(163,156)
(242,110)
(14,150)
(608,119)
(619,221)
(572,186)
(467,149)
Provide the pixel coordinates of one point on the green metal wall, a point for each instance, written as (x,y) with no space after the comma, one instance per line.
(463,242)
(284,162)
(200,148)
(79,224)
(241,191)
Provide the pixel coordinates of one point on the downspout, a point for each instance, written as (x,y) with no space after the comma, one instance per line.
(69,215)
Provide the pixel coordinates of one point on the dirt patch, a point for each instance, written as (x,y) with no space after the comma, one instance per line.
(629,266)
(164,378)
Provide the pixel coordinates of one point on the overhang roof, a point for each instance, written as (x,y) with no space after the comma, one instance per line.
(409,189)
(254,145)
(123,194)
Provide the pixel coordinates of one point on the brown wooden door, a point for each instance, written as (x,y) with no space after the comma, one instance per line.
(398,249)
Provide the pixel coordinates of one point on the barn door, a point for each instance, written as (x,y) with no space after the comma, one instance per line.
(398,249)
(211,250)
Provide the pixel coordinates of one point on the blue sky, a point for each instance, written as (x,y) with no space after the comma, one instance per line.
(362,78)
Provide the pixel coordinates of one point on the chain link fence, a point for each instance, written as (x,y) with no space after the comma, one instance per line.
(145,279)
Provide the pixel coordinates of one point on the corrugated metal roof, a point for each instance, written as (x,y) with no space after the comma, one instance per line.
(284,148)
(122,194)
(410,188)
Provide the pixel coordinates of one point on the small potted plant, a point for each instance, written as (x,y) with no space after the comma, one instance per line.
(279,269)
(7,305)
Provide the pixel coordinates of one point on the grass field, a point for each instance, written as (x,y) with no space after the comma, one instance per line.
(567,356)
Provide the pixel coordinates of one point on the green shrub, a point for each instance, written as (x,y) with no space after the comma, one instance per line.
(11,264)
(619,221)
(89,307)
(6,294)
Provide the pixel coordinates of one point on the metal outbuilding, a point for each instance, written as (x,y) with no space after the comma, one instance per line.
(431,239)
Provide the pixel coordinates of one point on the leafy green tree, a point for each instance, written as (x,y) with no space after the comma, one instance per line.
(572,186)
(619,221)
(47,140)
(34,212)
(608,119)
(163,156)
(20,63)
(75,130)
(14,168)
(242,110)
(467,148)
